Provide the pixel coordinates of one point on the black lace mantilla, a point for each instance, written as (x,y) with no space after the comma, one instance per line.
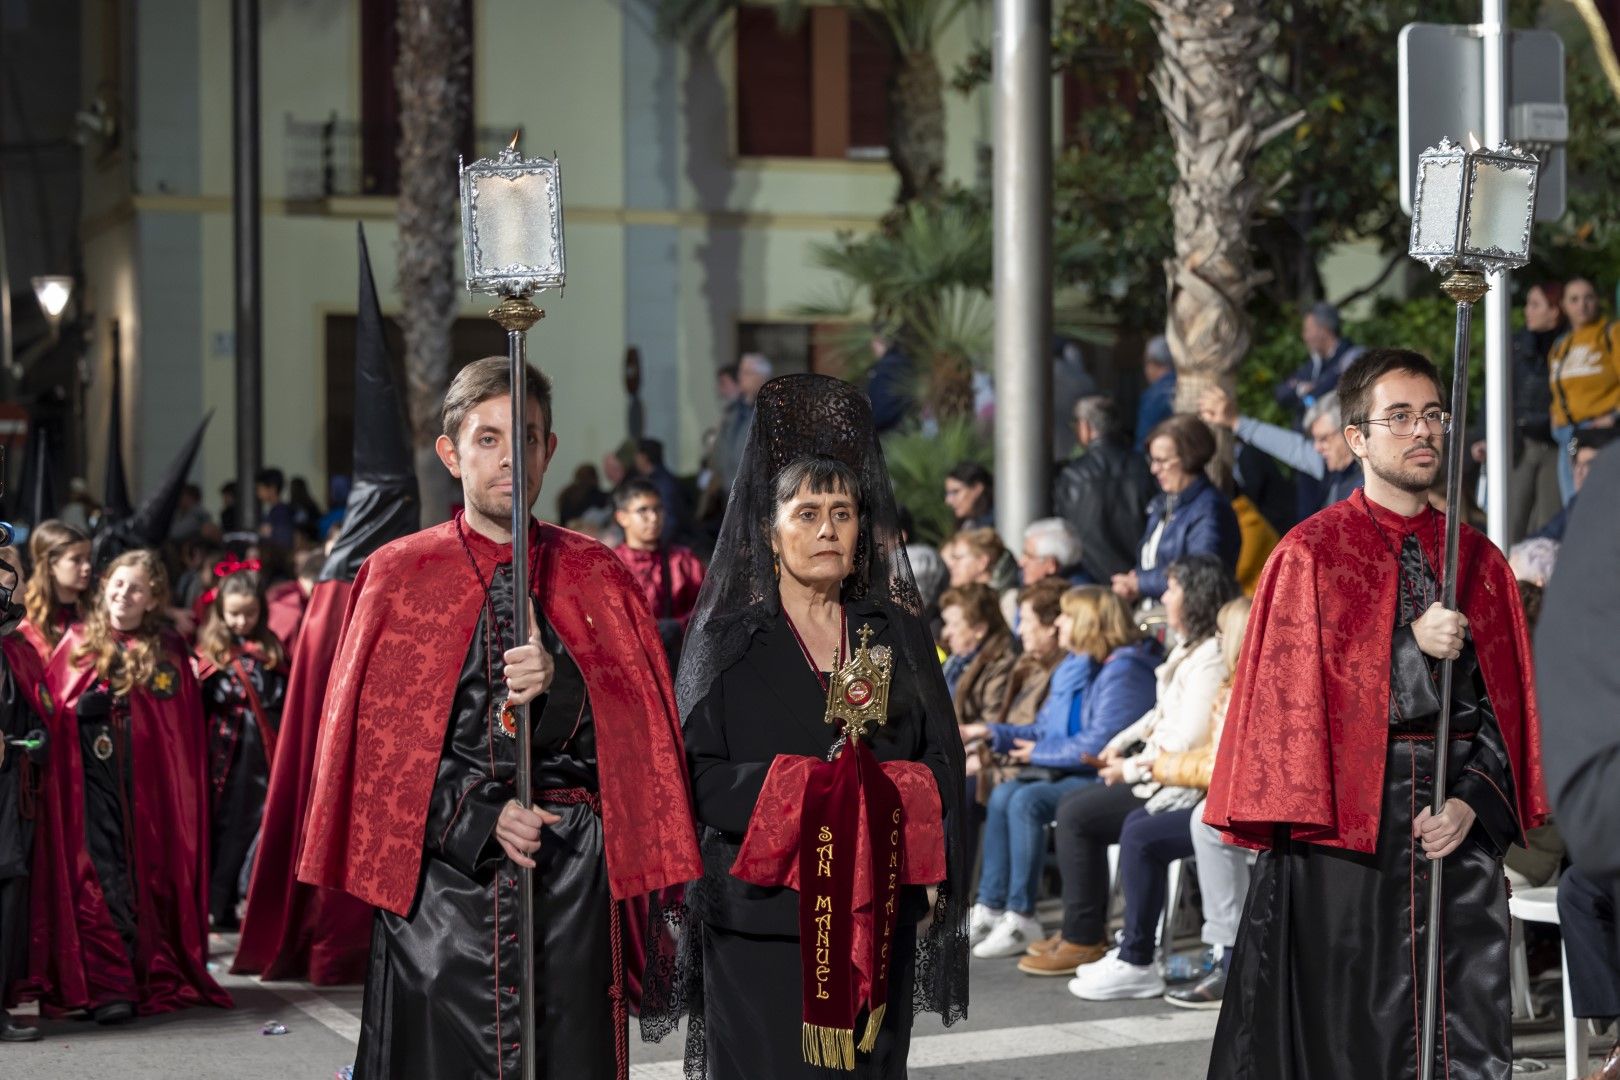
(801,416)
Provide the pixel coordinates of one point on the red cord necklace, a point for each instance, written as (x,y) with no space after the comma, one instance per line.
(838,652)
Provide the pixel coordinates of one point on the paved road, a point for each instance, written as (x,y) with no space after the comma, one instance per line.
(1021,1028)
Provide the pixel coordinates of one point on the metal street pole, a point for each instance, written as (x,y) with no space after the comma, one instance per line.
(1498,379)
(1022,197)
(245,214)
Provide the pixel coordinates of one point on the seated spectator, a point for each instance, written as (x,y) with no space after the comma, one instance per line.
(1103,683)
(978,555)
(1586,445)
(1051,549)
(1104,493)
(1090,818)
(1156,835)
(1532,560)
(1586,918)
(970,492)
(1189,516)
(1321,453)
(982,652)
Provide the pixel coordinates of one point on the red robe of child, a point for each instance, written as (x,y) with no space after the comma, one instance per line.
(166,967)
(291,930)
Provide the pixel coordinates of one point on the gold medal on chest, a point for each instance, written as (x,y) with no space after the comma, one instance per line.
(103,746)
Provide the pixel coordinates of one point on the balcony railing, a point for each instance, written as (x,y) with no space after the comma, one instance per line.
(332,157)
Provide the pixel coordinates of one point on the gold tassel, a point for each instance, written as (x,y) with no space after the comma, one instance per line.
(828,1047)
(874,1021)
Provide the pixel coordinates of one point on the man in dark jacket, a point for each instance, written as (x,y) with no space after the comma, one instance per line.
(1103,494)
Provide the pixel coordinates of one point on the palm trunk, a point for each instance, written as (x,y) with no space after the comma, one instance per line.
(917,125)
(1206,82)
(434,98)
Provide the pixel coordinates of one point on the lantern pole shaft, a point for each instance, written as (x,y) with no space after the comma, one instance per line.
(1465,287)
(1498,356)
(515,315)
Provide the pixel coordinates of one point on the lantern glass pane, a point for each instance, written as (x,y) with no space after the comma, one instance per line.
(516,223)
(1500,202)
(1441,187)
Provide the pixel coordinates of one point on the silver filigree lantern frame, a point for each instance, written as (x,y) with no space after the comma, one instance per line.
(514,265)
(1464,215)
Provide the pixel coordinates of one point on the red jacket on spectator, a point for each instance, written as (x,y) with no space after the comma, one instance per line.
(669,578)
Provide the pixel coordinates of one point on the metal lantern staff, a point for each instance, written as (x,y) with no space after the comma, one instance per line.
(1471,216)
(511,220)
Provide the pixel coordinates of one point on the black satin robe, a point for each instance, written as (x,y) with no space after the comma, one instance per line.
(109,799)
(441,999)
(17,781)
(1326,976)
(768,703)
(239,773)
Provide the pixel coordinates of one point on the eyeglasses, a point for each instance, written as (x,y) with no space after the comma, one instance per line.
(1163,462)
(1404,424)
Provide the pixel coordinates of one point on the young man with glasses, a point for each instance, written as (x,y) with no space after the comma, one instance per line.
(1327,765)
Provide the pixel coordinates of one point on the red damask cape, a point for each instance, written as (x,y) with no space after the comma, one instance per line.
(411,618)
(88,965)
(285,607)
(291,930)
(1305,737)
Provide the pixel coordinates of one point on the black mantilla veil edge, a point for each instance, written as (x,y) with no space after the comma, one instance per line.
(800,416)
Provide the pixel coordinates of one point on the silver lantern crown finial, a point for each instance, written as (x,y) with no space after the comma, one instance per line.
(511,223)
(1472,208)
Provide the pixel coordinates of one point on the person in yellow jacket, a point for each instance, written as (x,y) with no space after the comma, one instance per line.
(1584,370)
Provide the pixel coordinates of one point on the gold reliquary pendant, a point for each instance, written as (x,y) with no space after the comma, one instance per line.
(858,696)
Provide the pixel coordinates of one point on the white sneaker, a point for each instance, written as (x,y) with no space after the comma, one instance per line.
(1012,936)
(982,921)
(1112,979)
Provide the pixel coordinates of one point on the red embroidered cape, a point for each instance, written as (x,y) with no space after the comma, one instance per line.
(47,920)
(169,745)
(1305,737)
(411,618)
(291,930)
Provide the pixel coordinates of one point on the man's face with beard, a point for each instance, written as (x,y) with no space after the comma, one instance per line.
(481,457)
(1410,463)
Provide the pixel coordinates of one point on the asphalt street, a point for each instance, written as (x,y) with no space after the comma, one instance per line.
(1020,1028)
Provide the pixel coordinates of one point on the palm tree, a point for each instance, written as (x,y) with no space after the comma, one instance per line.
(1206,80)
(433,80)
(916,95)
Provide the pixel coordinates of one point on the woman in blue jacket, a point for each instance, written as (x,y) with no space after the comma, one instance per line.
(1189,516)
(1102,686)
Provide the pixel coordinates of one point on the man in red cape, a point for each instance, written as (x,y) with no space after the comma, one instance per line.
(1326,764)
(414,809)
(291,930)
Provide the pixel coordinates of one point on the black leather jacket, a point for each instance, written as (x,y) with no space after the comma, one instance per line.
(1104,495)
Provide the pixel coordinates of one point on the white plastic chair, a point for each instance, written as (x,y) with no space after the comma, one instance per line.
(1541,906)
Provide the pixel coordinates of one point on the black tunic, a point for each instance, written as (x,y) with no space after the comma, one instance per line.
(441,999)
(1326,976)
(768,703)
(239,772)
(107,757)
(17,792)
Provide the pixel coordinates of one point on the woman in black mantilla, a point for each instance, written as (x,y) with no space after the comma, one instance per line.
(809,556)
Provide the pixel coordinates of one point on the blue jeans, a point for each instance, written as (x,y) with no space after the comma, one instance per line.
(1015,839)
(1148,844)
(1563,435)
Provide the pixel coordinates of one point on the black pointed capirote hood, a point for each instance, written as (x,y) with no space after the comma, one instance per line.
(115,504)
(383,503)
(149,525)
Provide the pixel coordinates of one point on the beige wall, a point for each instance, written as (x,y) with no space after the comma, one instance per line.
(744,229)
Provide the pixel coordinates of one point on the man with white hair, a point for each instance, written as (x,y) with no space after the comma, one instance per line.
(1532,560)
(1051,549)
(753,370)
(1321,453)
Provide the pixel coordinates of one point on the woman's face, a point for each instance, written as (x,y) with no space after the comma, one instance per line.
(129,597)
(815,537)
(963,499)
(1173,599)
(961,636)
(70,572)
(241,612)
(1538,313)
(966,565)
(1165,463)
(1065,628)
(1580,303)
(1040,640)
